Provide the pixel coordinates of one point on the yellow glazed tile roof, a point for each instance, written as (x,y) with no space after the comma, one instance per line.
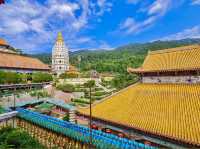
(181,58)
(8,60)
(170,110)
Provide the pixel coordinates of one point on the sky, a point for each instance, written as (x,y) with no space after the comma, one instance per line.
(32,25)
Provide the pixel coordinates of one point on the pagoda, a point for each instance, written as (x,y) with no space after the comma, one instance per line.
(60,56)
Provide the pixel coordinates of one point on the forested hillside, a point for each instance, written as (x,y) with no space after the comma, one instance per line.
(116,61)
(119,59)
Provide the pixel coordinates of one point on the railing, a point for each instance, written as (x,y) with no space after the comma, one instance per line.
(8,115)
(18,86)
(80,133)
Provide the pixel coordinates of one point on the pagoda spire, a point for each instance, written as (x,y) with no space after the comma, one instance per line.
(60,37)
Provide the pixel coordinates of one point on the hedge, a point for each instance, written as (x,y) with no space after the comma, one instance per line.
(66,88)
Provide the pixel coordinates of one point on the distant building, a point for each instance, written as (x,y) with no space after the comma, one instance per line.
(60,56)
(10,60)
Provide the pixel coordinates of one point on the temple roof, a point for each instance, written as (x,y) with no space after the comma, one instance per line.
(8,60)
(175,59)
(3,42)
(167,110)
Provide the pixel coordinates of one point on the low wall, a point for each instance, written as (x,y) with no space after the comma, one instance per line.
(171,79)
(78,80)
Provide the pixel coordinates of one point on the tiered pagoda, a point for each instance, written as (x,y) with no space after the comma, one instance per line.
(60,56)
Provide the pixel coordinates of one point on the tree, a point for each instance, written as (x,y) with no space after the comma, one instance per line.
(10,77)
(90,84)
(11,138)
(39,77)
(66,117)
(66,87)
(69,75)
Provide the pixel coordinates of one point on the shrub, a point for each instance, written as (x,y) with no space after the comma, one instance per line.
(10,78)
(66,117)
(39,93)
(41,77)
(15,138)
(66,87)
(81,100)
(68,75)
(100,93)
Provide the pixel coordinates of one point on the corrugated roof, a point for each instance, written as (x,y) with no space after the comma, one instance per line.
(8,60)
(169,110)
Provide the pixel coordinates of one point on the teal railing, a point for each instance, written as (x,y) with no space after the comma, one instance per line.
(100,140)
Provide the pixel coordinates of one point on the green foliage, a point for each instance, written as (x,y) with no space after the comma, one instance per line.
(123,80)
(66,88)
(66,117)
(117,60)
(46,58)
(15,78)
(39,94)
(81,100)
(99,93)
(39,77)
(68,75)
(10,77)
(17,139)
(89,84)
(2,110)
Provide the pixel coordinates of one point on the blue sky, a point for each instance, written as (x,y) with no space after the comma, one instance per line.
(32,25)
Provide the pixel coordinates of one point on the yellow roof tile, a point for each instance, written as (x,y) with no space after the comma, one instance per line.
(181,58)
(170,110)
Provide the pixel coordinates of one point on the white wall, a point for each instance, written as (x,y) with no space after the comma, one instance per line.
(171,79)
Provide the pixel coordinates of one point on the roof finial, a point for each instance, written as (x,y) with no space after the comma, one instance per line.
(59,37)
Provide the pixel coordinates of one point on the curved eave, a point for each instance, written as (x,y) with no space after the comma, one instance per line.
(146,131)
(26,68)
(135,70)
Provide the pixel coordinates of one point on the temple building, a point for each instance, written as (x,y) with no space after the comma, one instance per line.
(60,56)
(5,47)
(162,109)
(11,60)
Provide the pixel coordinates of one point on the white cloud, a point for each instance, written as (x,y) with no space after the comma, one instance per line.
(101,7)
(83,40)
(153,12)
(133,1)
(159,7)
(28,21)
(193,32)
(195,2)
(129,26)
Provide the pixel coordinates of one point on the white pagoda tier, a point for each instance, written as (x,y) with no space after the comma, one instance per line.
(60,56)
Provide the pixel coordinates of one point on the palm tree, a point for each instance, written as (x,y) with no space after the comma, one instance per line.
(90,84)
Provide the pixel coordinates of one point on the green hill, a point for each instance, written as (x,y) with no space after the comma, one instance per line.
(119,59)
(116,61)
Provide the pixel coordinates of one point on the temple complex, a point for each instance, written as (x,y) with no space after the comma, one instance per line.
(60,56)
(162,108)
